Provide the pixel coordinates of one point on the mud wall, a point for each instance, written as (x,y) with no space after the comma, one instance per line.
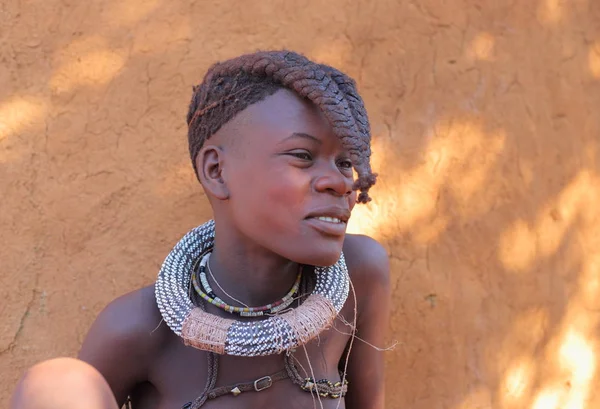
(486,136)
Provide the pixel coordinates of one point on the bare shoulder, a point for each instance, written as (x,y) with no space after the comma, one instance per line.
(124,338)
(366,258)
(368,265)
(131,317)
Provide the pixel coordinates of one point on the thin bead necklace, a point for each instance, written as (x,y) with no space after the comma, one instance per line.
(207,287)
(204,290)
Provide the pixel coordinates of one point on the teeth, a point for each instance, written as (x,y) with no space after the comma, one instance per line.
(329,219)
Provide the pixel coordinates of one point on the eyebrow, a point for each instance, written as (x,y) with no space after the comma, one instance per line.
(303,135)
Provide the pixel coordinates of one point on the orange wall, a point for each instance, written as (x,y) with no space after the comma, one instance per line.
(486,135)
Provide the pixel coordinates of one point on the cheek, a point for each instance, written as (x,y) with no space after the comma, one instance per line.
(352,199)
(278,204)
(289,188)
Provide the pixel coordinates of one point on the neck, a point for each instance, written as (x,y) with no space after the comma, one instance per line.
(248,272)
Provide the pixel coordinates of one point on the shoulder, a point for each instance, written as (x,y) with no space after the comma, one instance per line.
(131,317)
(124,338)
(366,257)
(368,265)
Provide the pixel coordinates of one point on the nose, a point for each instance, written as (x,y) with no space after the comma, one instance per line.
(331,180)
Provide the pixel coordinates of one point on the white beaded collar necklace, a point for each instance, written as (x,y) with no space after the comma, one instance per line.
(273,335)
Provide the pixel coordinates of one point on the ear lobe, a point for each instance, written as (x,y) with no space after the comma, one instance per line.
(209,163)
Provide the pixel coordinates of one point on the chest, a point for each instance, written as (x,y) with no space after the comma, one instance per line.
(180,375)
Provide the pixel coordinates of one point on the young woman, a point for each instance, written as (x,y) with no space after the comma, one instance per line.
(272,304)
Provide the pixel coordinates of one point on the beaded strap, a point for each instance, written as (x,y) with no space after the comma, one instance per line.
(324,387)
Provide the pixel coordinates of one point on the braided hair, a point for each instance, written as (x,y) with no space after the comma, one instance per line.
(231,86)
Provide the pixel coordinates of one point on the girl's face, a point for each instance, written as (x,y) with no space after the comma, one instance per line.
(289,179)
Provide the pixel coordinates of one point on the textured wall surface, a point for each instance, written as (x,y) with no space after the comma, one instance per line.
(486,136)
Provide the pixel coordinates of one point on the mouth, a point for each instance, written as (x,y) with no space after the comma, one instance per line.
(328,219)
(331,221)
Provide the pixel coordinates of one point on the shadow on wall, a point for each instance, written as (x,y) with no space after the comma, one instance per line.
(485,138)
(490,216)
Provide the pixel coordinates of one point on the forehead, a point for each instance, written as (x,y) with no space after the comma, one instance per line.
(277,117)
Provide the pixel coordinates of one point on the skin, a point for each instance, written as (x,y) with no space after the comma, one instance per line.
(64,383)
(265,172)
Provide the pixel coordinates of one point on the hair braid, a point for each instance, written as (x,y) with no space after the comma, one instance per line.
(231,86)
(348,87)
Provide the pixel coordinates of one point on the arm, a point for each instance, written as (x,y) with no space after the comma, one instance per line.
(119,344)
(369,266)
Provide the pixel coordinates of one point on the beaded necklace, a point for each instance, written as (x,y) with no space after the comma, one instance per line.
(204,290)
(273,335)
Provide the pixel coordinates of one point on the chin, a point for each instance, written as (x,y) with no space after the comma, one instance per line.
(319,255)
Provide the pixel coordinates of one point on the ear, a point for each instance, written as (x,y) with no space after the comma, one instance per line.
(209,164)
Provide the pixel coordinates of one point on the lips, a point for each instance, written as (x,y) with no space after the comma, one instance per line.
(331,221)
(331,213)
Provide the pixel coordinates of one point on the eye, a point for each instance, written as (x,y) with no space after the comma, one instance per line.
(301,155)
(345,164)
